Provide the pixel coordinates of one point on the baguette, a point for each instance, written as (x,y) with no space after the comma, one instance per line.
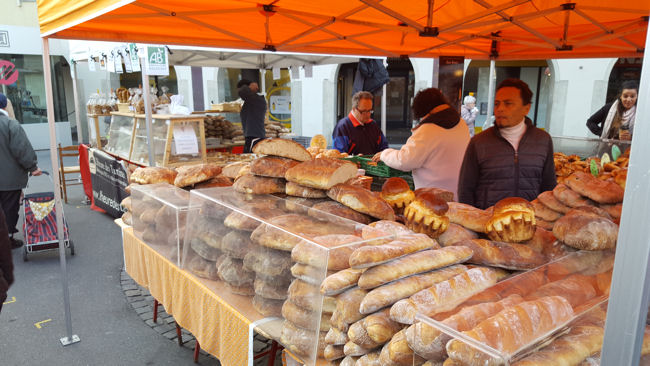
(333,352)
(340,281)
(357,334)
(349,361)
(398,353)
(571,349)
(369,359)
(429,342)
(576,289)
(336,337)
(317,256)
(413,264)
(443,296)
(380,327)
(347,306)
(373,255)
(390,293)
(504,255)
(512,329)
(353,349)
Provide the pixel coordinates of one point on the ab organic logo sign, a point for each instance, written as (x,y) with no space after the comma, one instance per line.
(8,73)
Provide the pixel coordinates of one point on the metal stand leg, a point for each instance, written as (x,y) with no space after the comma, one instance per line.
(179,335)
(272,353)
(155,311)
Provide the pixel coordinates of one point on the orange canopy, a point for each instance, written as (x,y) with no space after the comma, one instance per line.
(477,29)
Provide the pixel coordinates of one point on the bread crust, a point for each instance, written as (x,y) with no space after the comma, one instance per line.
(468,216)
(570,198)
(253,184)
(153,175)
(271,166)
(283,148)
(192,174)
(549,200)
(544,212)
(337,209)
(601,191)
(372,255)
(296,190)
(322,173)
(504,255)
(586,231)
(361,200)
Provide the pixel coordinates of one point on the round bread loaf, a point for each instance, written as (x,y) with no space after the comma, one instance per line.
(513,221)
(267,307)
(203,268)
(549,200)
(544,212)
(570,198)
(601,191)
(426,214)
(513,204)
(586,231)
(204,250)
(253,184)
(237,244)
(272,166)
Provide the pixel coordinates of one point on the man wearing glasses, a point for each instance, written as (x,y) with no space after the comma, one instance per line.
(358,133)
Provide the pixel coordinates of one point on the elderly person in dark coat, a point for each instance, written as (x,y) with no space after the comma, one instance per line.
(6,265)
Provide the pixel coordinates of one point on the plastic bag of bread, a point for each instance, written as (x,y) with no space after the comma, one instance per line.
(267,307)
(269,262)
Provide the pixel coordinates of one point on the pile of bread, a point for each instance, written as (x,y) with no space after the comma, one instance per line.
(565,165)
(219,126)
(275,129)
(318,149)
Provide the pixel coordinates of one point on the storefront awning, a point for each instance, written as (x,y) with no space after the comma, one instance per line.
(477,29)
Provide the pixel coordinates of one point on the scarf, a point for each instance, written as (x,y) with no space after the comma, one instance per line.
(613,122)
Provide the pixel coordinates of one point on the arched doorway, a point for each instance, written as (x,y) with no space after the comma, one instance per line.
(536,73)
(624,69)
(399,95)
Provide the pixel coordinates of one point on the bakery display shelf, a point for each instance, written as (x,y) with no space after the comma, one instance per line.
(568,293)
(96,133)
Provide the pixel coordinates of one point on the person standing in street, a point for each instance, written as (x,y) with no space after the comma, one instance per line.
(358,133)
(6,264)
(468,112)
(511,159)
(616,120)
(17,160)
(252,113)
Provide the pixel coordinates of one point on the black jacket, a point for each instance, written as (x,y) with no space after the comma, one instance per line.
(252,113)
(371,75)
(493,170)
(6,264)
(17,157)
(596,122)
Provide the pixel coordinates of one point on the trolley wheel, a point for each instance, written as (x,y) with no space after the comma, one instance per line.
(24,254)
(71,248)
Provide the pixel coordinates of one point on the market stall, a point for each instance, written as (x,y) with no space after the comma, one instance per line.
(475,29)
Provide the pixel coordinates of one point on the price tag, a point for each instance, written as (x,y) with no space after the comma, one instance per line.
(118,62)
(308,70)
(135,60)
(185,140)
(616,152)
(91,63)
(102,62)
(605,160)
(593,167)
(276,73)
(127,60)
(110,63)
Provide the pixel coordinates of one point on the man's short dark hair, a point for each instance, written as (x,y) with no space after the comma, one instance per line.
(524,90)
(243,82)
(427,99)
(361,95)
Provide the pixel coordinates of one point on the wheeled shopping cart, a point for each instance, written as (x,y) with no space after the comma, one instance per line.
(39,224)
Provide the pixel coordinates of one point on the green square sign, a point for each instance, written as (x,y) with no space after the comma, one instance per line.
(157,61)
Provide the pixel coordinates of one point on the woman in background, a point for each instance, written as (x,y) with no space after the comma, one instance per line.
(436,148)
(468,112)
(616,120)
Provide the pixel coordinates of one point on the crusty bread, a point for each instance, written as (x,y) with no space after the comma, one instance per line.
(306,296)
(321,173)
(347,307)
(304,318)
(271,166)
(274,234)
(545,243)
(353,349)
(283,148)
(237,244)
(267,307)
(369,256)
(415,263)
(269,262)
(336,337)
(582,230)
(336,259)
(390,293)
(614,211)
(193,174)
(443,296)
(337,209)
(569,197)
(300,341)
(544,212)
(264,287)
(379,327)
(296,190)
(253,184)
(512,221)
(576,289)
(571,349)
(358,335)
(153,175)
(548,199)
(203,268)
(504,255)
(429,342)
(369,359)
(426,215)
(233,170)
(349,361)
(397,193)
(512,328)
(397,352)
(361,200)
(218,181)
(468,216)
(307,273)
(443,194)
(232,271)
(204,250)
(332,352)
(340,281)
(601,191)
(455,233)
(384,228)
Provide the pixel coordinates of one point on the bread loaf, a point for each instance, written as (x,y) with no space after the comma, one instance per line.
(601,191)
(614,211)
(253,184)
(576,289)
(429,342)
(300,341)
(336,337)
(548,199)
(193,174)
(309,274)
(384,228)
(270,290)
(323,210)
(443,194)
(304,318)
(358,335)
(322,173)
(347,307)
(267,307)
(332,352)
(304,295)
(368,256)
(390,293)
(336,259)
(455,233)
(544,212)
(468,216)
(237,244)
(218,181)
(153,175)
(503,255)
(233,170)
(353,349)
(513,221)
(271,166)
(369,359)
(232,271)
(586,231)
(269,262)
(349,361)
(413,264)
(361,200)
(203,268)
(571,349)
(569,197)
(204,250)
(379,327)
(397,193)
(398,353)
(296,190)
(238,221)
(426,214)
(545,243)
(277,235)
(443,296)
(340,281)
(512,328)
(282,147)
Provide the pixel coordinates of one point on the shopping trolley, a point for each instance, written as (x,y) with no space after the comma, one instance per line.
(39,223)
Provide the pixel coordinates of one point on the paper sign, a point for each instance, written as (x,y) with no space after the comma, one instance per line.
(276,73)
(118,62)
(91,63)
(157,62)
(127,60)
(135,60)
(110,63)
(280,104)
(295,72)
(308,70)
(185,140)
(102,62)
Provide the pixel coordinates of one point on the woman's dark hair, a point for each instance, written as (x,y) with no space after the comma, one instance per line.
(627,84)
(427,99)
(524,90)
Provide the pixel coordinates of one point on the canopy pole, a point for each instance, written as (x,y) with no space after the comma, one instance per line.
(492,80)
(77,113)
(54,157)
(383,109)
(147,111)
(628,300)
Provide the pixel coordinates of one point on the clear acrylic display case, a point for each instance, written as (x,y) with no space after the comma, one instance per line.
(159,218)
(98,125)
(501,335)
(120,134)
(587,147)
(251,244)
(162,133)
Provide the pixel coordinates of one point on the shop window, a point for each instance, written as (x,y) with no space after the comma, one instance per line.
(134,80)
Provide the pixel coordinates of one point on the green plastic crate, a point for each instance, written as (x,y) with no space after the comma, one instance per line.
(379,170)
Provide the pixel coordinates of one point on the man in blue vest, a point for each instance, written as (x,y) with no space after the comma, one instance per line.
(358,133)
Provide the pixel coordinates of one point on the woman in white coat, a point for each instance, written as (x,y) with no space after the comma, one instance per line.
(435,150)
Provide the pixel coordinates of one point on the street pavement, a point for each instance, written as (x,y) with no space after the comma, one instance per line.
(111,330)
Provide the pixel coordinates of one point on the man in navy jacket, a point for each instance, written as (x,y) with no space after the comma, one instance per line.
(358,133)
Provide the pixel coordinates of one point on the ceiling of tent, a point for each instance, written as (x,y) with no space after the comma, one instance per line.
(249,60)
(477,29)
